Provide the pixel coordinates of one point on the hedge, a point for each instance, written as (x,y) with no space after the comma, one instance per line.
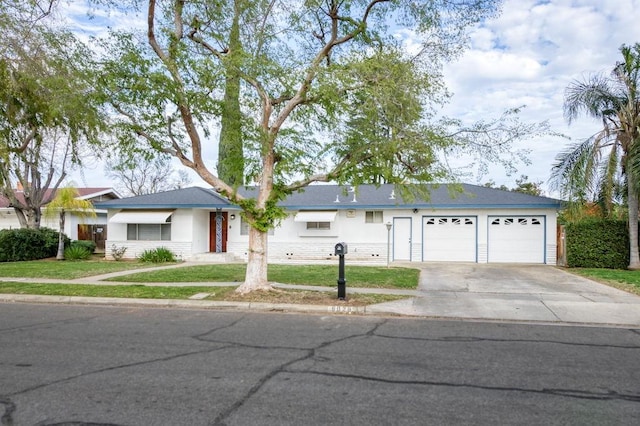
(28,244)
(597,244)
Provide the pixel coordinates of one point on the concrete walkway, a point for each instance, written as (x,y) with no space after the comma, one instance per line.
(528,293)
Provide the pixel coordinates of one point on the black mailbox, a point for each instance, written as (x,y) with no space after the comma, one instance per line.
(341,249)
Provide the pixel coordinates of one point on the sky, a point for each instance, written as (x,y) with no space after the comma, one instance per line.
(525,56)
(528,56)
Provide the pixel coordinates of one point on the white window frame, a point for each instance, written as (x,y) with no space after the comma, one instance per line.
(373,216)
(163,231)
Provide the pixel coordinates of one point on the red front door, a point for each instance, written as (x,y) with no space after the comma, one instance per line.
(213,232)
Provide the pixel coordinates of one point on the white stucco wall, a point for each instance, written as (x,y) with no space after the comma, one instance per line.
(189,235)
(9,220)
(368,241)
(291,241)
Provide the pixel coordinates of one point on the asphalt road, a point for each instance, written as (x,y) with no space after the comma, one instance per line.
(88,365)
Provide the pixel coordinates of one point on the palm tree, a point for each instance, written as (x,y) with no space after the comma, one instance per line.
(596,167)
(66,199)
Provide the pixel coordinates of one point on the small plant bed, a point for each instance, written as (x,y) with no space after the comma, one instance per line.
(66,270)
(618,278)
(319,275)
(216,293)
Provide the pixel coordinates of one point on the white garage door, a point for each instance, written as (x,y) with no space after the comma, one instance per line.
(516,239)
(449,239)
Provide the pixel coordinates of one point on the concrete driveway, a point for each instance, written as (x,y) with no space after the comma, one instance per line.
(516,293)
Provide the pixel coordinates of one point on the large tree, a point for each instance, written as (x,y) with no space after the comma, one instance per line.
(230,165)
(592,170)
(47,111)
(140,174)
(326,93)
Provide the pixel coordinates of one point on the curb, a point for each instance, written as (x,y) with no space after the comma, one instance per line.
(180,303)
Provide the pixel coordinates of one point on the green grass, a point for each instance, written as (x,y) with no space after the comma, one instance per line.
(133,291)
(619,278)
(319,275)
(217,293)
(66,270)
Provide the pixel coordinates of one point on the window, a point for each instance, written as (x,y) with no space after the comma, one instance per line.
(456,221)
(319,225)
(522,221)
(244,227)
(149,231)
(468,221)
(535,221)
(373,216)
(443,221)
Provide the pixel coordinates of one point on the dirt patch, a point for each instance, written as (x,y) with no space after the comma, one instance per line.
(302,297)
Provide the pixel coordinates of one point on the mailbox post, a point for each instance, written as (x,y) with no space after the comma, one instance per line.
(341,250)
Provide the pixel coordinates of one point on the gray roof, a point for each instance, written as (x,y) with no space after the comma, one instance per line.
(336,197)
(193,197)
(332,197)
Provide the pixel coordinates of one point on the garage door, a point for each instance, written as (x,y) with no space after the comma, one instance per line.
(449,239)
(516,239)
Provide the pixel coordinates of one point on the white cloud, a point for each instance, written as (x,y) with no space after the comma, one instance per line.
(528,55)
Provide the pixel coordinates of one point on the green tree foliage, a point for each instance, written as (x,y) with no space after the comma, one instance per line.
(230,148)
(595,169)
(47,107)
(523,186)
(328,92)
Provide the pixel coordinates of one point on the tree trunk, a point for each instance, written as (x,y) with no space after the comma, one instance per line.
(28,218)
(60,255)
(256,275)
(632,201)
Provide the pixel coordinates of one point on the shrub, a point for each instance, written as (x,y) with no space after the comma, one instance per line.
(117,252)
(86,244)
(28,244)
(50,237)
(76,252)
(597,244)
(158,255)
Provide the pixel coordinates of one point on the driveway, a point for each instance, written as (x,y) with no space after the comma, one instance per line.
(516,293)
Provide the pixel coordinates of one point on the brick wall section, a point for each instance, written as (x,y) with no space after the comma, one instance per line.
(376,253)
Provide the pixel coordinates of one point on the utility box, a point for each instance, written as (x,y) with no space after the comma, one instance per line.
(341,249)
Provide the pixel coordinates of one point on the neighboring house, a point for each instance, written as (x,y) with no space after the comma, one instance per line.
(479,225)
(92,228)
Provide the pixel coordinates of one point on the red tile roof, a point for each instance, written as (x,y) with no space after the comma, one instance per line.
(83,192)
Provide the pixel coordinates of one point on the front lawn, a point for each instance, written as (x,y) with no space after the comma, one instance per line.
(216,293)
(67,269)
(318,275)
(619,278)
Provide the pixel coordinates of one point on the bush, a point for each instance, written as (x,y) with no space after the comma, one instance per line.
(90,246)
(597,244)
(28,244)
(158,255)
(51,240)
(117,252)
(76,252)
